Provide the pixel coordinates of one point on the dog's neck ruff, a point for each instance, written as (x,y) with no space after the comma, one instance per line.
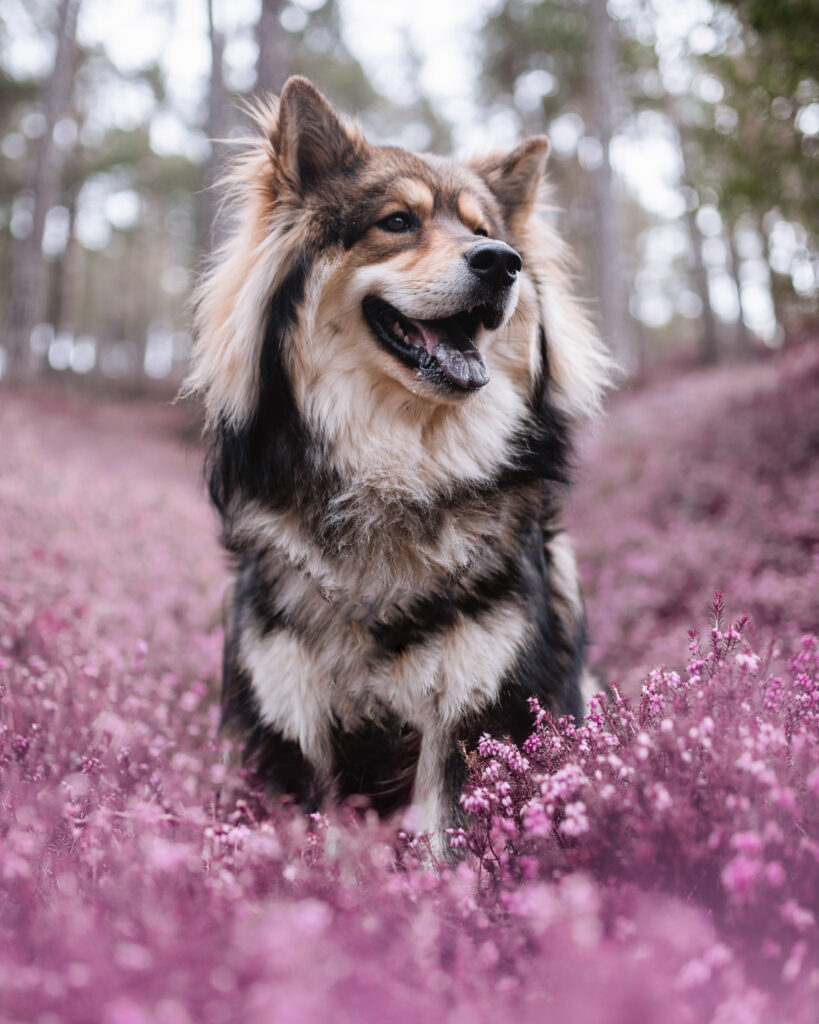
(363,546)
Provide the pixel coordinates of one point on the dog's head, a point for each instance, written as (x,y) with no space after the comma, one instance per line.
(420,281)
(417,262)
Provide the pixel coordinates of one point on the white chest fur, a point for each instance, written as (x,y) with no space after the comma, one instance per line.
(328,670)
(302,684)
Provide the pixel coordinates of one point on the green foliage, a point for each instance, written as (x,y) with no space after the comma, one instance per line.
(762,160)
(788,32)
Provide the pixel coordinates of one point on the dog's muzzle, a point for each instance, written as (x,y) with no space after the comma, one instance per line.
(443,349)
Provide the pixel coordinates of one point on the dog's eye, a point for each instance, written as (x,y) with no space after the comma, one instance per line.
(481,231)
(397,222)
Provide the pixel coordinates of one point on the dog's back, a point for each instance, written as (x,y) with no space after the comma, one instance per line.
(392,362)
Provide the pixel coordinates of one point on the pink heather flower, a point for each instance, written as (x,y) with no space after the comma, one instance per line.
(457,838)
(660,796)
(740,874)
(127,827)
(693,974)
(785,797)
(775,874)
(747,842)
(488,954)
(477,801)
(491,772)
(535,819)
(575,822)
(793,965)
(797,916)
(750,662)
(718,955)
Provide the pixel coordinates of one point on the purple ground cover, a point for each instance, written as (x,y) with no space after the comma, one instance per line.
(659,863)
(707,481)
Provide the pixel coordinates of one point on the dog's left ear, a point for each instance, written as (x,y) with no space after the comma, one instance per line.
(514,177)
(310,139)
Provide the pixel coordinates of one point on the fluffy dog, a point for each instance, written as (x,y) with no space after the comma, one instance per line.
(391,360)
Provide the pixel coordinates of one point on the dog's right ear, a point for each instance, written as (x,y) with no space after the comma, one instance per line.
(310,140)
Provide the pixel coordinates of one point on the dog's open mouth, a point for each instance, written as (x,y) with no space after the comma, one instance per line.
(443,350)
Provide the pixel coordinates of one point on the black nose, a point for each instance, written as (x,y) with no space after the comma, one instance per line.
(496,263)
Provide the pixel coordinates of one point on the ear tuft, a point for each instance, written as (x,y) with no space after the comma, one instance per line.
(514,177)
(310,139)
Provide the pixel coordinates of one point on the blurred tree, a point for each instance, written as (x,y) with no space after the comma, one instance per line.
(313,47)
(128,208)
(562,61)
(753,149)
(317,50)
(709,340)
(107,214)
(607,248)
(215,127)
(28,265)
(271,38)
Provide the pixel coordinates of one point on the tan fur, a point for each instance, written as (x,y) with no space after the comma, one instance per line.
(580,366)
(254,260)
(470,212)
(565,577)
(410,194)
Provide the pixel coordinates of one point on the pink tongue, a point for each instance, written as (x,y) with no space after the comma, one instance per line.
(428,338)
(462,363)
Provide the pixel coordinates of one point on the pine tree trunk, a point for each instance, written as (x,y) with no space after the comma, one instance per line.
(606,243)
(709,340)
(743,338)
(208,227)
(271,69)
(775,296)
(28,275)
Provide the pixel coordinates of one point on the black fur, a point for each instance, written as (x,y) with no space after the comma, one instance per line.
(278,761)
(376,760)
(274,460)
(429,614)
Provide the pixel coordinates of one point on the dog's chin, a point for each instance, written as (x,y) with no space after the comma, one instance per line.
(441,352)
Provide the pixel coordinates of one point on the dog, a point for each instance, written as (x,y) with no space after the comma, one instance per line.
(392,361)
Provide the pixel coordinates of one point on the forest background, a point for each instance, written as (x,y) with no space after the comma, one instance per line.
(684,135)
(658,863)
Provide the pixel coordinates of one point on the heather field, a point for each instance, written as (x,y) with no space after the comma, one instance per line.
(658,863)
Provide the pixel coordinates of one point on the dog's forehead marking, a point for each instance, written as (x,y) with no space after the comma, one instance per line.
(414,193)
(462,192)
(469,209)
(426,185)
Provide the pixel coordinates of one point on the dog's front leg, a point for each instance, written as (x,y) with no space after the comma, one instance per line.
(435,802)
